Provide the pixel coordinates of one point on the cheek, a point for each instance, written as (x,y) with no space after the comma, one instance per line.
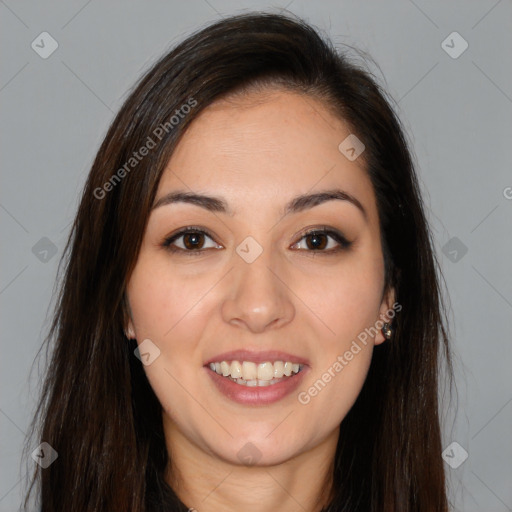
(167,309)
(346,301)
(331,392)
(171,310)
(161,300)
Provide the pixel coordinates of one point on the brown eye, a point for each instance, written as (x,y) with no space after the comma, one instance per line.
(190,241)
(316,241)
(193,240)
(322,240)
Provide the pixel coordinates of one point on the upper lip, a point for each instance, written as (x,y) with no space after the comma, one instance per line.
(257,357)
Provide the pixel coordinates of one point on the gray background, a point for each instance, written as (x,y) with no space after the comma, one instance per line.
(457,112)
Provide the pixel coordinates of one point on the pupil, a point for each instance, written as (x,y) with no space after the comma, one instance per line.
(317,242)
(192,240)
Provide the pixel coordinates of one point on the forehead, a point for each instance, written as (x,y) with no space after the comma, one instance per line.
(265,147)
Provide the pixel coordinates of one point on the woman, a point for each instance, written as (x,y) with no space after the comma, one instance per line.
(250,315)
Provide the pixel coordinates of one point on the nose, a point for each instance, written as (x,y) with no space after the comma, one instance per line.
(258,297)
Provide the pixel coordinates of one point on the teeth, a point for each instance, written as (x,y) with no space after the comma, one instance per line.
(278,369)
(265,371)
(249,370)
(225,368)
(236,369)
(250,374)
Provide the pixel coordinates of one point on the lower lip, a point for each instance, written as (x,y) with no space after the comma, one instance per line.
(256,395)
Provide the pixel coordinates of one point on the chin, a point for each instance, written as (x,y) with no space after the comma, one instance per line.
(259,451)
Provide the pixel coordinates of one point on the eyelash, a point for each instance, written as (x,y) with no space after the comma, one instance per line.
(338,237)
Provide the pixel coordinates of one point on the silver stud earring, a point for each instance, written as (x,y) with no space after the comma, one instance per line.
(387,331)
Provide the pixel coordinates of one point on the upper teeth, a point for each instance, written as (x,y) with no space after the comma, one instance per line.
(248,370)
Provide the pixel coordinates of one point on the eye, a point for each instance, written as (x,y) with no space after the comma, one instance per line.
(194,241)
(190,240)
(318,240)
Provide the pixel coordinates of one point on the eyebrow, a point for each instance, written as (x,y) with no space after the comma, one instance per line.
(297,204)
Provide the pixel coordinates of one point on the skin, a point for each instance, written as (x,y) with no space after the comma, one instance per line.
(258,151)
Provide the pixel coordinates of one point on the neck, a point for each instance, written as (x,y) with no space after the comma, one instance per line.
(207,483)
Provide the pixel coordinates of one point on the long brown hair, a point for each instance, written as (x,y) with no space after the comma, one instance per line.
(97,409)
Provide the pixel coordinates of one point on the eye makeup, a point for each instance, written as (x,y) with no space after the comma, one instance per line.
(193,239)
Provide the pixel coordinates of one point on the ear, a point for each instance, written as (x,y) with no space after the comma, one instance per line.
(129,330)
(386,307)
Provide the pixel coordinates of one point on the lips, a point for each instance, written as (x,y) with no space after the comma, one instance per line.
(256,378)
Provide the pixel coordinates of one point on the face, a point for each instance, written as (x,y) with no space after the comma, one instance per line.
(257,283)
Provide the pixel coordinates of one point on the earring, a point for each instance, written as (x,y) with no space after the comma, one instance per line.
(387,331)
